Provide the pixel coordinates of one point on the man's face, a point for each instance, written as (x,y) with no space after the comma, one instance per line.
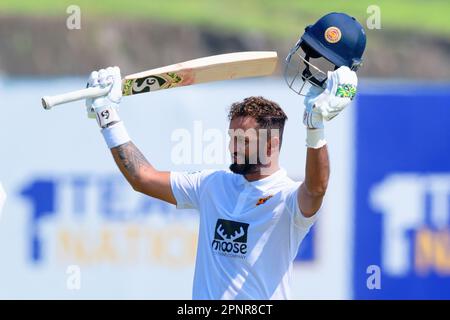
(244,144)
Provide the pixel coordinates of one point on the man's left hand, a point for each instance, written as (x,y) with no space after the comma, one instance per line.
(340,91)
(327,104)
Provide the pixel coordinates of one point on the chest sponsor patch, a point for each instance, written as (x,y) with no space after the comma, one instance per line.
(230,238)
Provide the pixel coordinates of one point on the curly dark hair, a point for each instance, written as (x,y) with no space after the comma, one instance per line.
(268,114)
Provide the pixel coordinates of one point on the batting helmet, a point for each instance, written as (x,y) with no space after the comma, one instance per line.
(336,37)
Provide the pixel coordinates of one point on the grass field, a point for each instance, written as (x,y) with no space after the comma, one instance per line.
(278,18)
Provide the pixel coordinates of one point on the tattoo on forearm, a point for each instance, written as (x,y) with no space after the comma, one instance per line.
(131,158)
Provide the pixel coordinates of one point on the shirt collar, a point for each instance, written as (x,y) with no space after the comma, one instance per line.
(265,182)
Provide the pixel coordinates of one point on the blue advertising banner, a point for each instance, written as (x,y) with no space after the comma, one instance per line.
(402,195)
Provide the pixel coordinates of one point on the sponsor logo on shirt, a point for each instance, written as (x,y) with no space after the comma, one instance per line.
(263,200)
(230,238)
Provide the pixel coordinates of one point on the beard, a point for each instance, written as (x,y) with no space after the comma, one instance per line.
(245,168)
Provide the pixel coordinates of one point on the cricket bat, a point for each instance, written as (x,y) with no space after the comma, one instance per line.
(214,68)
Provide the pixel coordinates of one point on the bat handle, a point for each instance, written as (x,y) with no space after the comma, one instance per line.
(49,102)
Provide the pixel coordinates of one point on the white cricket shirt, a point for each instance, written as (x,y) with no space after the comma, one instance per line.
(249,232)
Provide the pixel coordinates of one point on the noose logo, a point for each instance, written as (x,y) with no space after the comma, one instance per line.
(2,198)
(230,238)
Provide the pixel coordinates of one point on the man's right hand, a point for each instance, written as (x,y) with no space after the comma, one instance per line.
(137,170)
(104,108)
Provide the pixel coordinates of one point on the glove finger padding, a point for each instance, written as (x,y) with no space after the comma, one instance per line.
(115,94)
(104,78)
(92,82)
(93,79)
(312,117)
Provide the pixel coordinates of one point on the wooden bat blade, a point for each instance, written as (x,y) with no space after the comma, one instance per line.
(214,68)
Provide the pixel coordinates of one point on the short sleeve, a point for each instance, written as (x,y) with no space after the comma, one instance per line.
(292,205)
(187,187)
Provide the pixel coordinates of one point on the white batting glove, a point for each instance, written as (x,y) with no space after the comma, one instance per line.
(312,116)
(104,108)
(327,104)
(340,91)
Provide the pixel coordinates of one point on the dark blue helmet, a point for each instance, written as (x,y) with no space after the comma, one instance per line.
(338,38)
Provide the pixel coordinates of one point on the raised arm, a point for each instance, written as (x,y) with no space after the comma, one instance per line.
(140,173)
(320,106)
(137,170)
(313,189)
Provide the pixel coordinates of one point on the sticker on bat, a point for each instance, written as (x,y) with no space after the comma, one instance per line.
(153,83)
